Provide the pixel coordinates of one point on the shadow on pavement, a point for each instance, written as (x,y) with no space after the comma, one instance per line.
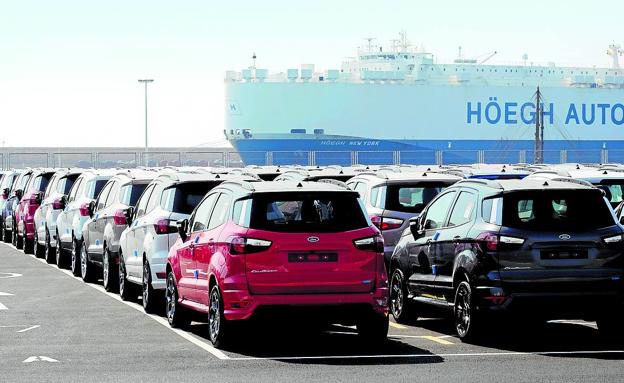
(535,337)
(331,345)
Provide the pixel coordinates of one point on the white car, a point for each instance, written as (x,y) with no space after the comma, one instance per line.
(70,221)
(146,242)
(52,204)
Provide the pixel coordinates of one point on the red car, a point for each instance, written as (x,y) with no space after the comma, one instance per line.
(254,249)
(28,204)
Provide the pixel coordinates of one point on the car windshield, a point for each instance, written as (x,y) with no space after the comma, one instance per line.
(187,196)
(307,212)
(412,198)
(556,210)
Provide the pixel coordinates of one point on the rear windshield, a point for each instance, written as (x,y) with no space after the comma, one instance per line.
(183,198)
(307,212)
(412,198)
(569,210)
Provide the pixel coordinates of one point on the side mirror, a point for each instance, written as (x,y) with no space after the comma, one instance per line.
(91,208)
(622,219)
(19,193)
(415,227)
(183,228)
(5,193)
(129,213)
(429,224)
(39,198)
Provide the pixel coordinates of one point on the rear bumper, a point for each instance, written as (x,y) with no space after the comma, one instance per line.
(551,305)
(240,305)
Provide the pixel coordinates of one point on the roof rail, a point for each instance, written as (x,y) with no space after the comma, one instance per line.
(334,182)
(572,181)
(244,184)
(450,172)
(171,176)
(249,174)
(491,183)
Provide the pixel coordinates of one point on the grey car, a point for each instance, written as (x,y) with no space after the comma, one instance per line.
(109,216)
(392,198)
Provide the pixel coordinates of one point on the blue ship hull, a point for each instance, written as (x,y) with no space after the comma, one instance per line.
(320,150)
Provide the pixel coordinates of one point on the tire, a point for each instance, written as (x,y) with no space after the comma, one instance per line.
(49,252)
(29,246)
(610,328)
(466,321)
(127,290)
(175,313)
(75,257)
(374,328)
(218,326)
(17,242)
(59,254)
(6,235)
(87,271)
(151,300)
(402,308)
(109,272)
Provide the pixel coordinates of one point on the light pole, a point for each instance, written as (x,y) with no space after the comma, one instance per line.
(145,82)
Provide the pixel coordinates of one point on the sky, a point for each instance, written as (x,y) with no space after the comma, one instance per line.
(69,69)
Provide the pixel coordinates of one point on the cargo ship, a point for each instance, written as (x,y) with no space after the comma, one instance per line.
(398,104)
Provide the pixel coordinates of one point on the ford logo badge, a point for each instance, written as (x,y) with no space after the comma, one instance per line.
(313,239)
(564,237)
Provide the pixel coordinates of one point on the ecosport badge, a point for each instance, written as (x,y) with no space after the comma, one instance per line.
(564,237)
(313,239)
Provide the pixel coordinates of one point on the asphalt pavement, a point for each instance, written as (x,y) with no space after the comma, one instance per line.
(55,328)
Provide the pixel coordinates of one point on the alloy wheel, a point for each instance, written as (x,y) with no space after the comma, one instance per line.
(105,270)
(74,257)
(462,310)
(396,295)
(171,297)
(146,284)
(83,262)
(122,276)
(214,314)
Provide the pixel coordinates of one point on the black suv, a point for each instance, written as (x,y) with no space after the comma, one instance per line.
(546,249)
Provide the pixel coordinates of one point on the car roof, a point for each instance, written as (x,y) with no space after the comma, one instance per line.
(391,176)
(286,186)
(526,184)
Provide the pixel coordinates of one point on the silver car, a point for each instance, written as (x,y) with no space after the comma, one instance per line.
(146,242)
(69,223)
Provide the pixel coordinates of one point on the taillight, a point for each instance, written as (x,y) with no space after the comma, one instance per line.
(244,245)
(120,218)
(84,210)
(494,242)
(489,240)
(163,226)
(374,244)
(58,204)
(385,223)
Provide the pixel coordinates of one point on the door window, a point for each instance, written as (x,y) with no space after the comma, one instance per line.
(463,209)
(438,211)
(101,200)
(220,212)
(142,204)
(113,194)
(154,198)
(202,213)
(74,190)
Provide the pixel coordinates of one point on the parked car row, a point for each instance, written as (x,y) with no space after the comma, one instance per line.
(340,245)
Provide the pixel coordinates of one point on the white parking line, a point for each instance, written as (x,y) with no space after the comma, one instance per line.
(189,337)
(442,355)
(3,307)
(29,328)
